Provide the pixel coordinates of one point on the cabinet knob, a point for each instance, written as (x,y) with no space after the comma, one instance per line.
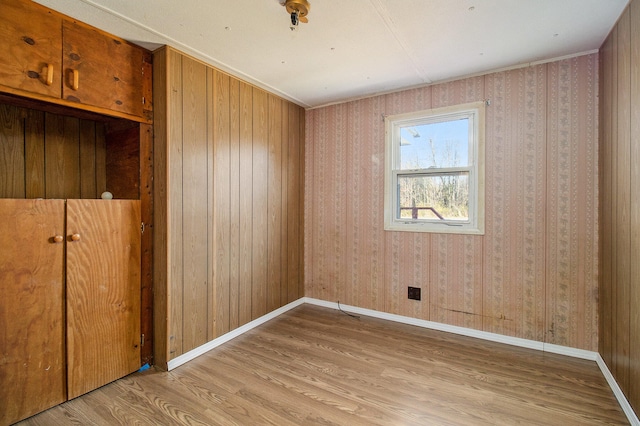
(48,72)
(58,239)
(75,237)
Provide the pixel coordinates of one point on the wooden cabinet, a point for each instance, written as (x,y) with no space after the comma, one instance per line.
(30,42)
(51,57)
(32,362)
(101,70)
(43,362)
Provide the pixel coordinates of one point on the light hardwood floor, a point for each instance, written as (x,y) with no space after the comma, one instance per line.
(315,365)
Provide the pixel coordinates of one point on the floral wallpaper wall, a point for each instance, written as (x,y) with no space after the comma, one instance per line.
(533,274)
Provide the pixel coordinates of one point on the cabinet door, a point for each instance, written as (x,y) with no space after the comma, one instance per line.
(101,70)
(103,292)
(30,42)
(32,362)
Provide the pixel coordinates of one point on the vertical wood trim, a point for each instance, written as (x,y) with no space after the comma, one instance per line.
(161,186)
(274,203)
(234,203)
(194,204)
(174,193)
(221,204)
(634,321)
(245,277)
(34,143)
(260,203)
(146,267)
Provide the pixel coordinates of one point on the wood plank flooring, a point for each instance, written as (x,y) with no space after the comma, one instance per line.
(318,366)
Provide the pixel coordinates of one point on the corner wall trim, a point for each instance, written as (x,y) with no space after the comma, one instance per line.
(200,350)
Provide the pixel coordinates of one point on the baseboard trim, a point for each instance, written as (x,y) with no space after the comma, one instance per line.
(493,337)
(624,403)
(194,353)
(484,335)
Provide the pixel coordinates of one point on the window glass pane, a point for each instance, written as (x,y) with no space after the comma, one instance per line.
(439,145)
(434,197)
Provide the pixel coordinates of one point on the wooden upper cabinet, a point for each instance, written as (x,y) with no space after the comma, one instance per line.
(101,70)
(30,46)
(50,57)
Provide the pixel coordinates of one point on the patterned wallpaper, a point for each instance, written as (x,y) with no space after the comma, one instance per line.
(533,274)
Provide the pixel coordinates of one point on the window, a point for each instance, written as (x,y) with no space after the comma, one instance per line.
(434,170)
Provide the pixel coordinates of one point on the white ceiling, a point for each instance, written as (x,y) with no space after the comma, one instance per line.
(355,48)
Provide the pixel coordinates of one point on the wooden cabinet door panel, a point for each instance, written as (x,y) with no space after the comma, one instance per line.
(109,71)
(103,292)
(32,362)
(30,41)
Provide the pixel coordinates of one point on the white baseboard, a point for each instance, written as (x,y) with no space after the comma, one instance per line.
(194,353)
(493,337)
(624,403)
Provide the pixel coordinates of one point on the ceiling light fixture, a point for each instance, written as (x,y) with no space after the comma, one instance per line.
(298,9)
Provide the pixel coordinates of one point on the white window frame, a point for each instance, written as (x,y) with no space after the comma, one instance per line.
(475,112)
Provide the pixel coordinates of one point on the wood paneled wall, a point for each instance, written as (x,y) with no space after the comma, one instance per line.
(619,342)
(46,155)
(533,274)
(228,213)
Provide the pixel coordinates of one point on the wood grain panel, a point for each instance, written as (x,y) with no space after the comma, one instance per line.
(162,260)
(284,205)
(103,292)
(246,204)
(175,255)
(244,194)
(619,222)
(123,160)
(32,367)
(220,123)
(194,203)
(87,149)
(260,205)
(234,203)
(34,143)
(274,203)
(62,156)
(12,154)
(634,297)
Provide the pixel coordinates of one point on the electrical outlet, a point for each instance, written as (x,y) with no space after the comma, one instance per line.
(414,293)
